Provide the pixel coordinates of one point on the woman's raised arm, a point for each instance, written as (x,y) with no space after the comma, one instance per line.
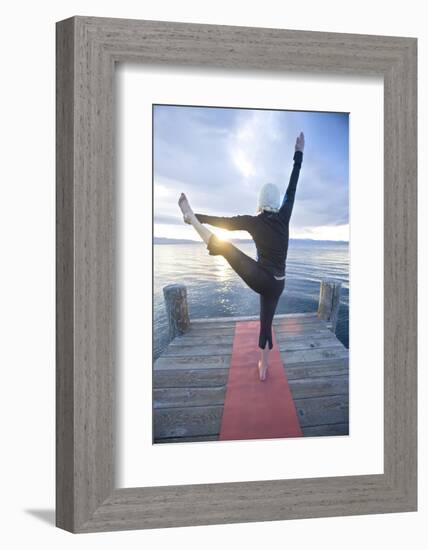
(288,201)
(232,223)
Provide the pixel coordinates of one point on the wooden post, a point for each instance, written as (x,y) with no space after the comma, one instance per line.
(175,296)
(328,307)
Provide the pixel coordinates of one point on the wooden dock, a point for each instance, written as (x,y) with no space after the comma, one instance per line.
(190,376)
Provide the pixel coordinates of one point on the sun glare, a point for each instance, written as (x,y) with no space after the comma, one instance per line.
(241,161)
(222,234)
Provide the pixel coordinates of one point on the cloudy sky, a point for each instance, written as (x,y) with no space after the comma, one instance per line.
(221,157)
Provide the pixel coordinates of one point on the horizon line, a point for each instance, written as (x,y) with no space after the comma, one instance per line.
(251,240)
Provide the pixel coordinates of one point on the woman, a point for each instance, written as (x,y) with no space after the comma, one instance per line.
(269,229)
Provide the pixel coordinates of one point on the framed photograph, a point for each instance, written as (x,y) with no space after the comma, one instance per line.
(236,274)
(206,381)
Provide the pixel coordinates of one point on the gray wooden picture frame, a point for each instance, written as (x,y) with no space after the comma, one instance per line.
(87,50)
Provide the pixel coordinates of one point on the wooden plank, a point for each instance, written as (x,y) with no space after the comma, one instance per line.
(188,397)
(208,337)
(322,410)
(315,332)
(200,340)
(285,316)
(322,386)
(186,350)
(323,430)
(290,359)
(190,394)
(293,370)
(329,381)
(341,428)
(193,362)
(210,325)
(305,356)
(293,344)
(190,378)
(326,367)
(199,439)
(281,324)
(215,331)
(284,336)
(322,416)
(302,328)
(207,347)
(187,421)
(291,321)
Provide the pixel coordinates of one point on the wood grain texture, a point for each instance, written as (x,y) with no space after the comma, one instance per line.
(87,49)
(177,311)
(329,301)
(188,397)
(64,277)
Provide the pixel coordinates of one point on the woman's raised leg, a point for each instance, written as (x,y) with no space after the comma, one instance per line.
(247,268)
(190,218)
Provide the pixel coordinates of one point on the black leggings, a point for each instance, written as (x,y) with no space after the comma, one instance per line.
(257,278)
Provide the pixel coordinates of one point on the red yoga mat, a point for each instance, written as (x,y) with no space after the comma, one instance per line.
(255,409)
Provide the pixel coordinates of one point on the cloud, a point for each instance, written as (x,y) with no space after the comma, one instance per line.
(221,157)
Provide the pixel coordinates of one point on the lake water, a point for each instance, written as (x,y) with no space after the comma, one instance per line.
(214,289)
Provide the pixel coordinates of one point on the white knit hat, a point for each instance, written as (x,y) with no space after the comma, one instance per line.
(268,198)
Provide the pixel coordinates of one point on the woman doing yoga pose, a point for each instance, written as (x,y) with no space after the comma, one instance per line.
(269,229)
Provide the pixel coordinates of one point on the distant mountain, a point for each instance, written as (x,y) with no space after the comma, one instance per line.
(316,241)
(163,240)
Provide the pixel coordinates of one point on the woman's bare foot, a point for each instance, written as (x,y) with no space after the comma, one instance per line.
(184,205)
(262,370)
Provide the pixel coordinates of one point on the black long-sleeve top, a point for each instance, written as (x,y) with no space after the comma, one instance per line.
(268,229)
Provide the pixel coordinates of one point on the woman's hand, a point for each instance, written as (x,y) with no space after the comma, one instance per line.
(300,142)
